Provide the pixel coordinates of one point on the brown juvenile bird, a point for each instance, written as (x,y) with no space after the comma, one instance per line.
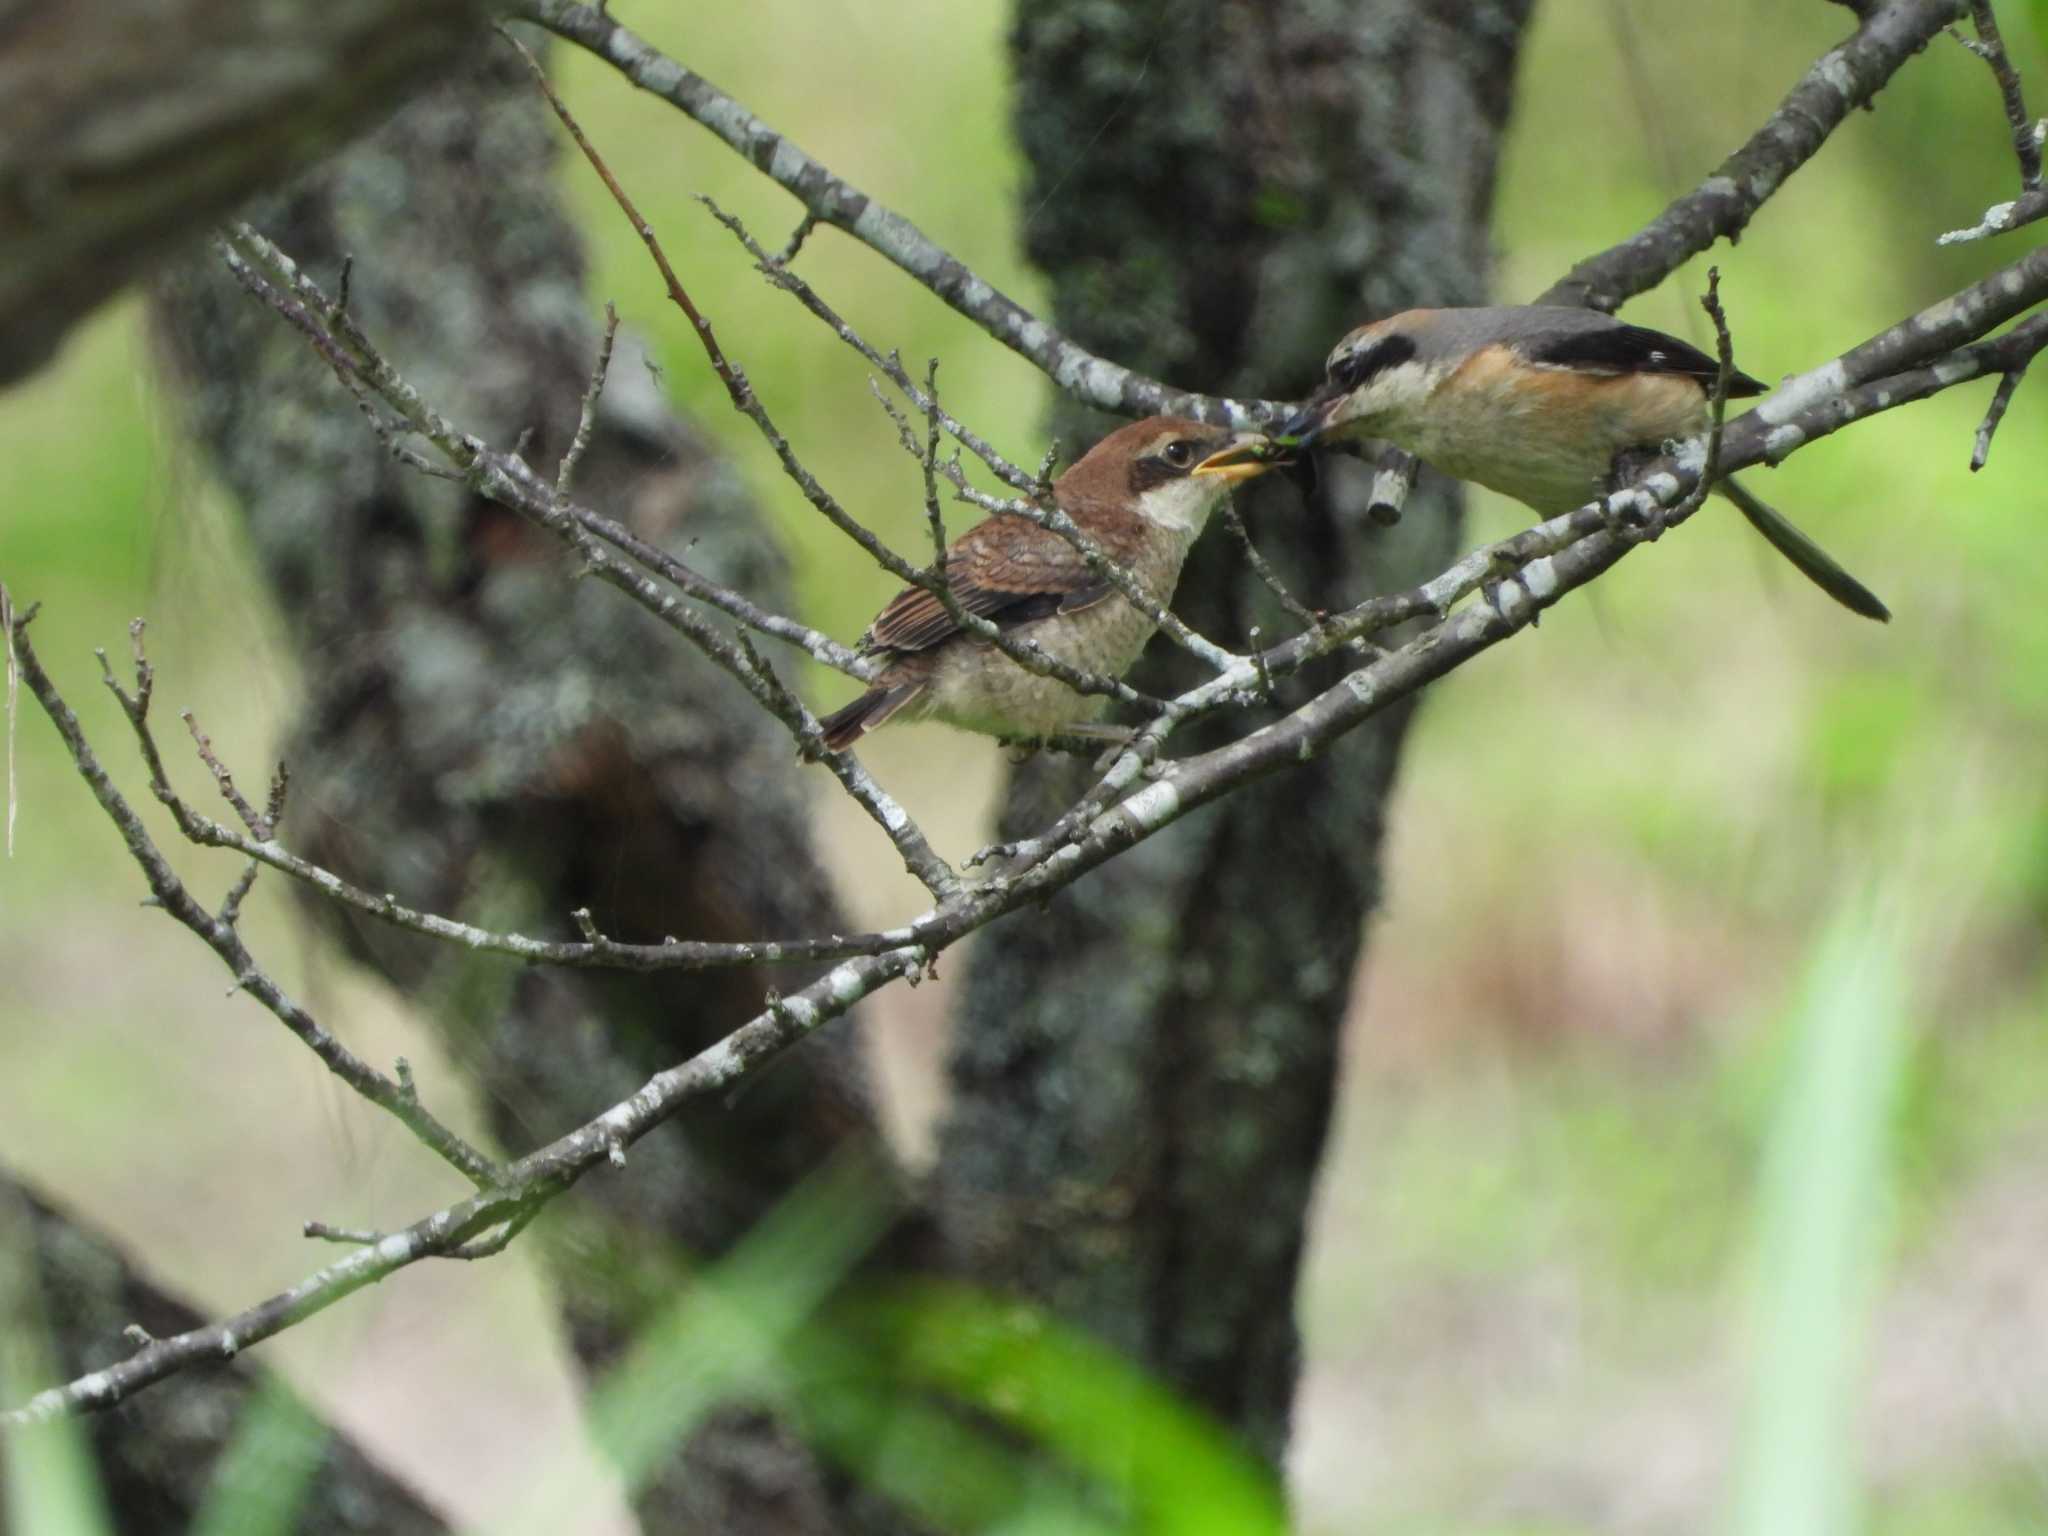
(1535,401)
(1142,495)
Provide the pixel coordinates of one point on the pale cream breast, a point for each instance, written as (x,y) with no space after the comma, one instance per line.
(1545,436)
(979,688)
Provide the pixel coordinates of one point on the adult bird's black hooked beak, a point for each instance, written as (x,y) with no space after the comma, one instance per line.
(1297,436)
(1302,428)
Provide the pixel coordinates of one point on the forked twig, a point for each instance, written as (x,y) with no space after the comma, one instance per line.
(586,417)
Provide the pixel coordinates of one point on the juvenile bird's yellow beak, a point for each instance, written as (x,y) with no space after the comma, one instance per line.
(1245,457)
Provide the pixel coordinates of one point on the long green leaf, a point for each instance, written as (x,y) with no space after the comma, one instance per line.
(1820,1224)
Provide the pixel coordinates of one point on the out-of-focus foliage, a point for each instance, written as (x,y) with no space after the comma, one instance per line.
(47,1478)
(973,1412)
(260,1483)
(1617,841)
(1820,1225)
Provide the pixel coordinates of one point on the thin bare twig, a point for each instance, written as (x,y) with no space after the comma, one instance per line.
(509,481)
(929,465)
(776,270)
(259,826)
(1296,609)
(354,1237)
(586,418)
(2026,133)
(1036,502)
(2032,203)
(2001,217)
(1724,375)
(482,1224)
(1980,452)
(796,240)
(828,199)
(221,936)
(231,904)
(1022,651)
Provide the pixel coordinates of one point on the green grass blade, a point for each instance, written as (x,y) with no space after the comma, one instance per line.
(1821,1217)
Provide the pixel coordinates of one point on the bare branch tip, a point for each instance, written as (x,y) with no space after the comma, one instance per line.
(2008,385)
(352,1236)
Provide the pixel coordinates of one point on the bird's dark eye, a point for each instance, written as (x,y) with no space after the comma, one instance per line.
(1180,453)
(1348,371)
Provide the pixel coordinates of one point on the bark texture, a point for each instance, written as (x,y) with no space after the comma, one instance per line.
(132,123)
(156,1458)
(485,735)
(1143,1071)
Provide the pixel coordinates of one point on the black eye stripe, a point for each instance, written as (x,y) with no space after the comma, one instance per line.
(1376,356)
(1152,470)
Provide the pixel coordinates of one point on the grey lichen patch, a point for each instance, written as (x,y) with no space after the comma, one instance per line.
(1780,441)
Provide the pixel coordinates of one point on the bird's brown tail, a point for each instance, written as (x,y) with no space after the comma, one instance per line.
(843,727)
(1815,563)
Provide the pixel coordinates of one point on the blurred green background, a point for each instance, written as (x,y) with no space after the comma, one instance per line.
(1703,1025)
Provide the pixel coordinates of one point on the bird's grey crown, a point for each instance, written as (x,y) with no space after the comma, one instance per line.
(1442,335)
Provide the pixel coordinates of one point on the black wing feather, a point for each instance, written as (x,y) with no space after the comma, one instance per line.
(1624,348)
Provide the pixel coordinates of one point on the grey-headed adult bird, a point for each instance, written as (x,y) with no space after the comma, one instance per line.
(1535,401)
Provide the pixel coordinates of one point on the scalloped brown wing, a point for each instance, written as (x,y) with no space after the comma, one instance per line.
(1007,570)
